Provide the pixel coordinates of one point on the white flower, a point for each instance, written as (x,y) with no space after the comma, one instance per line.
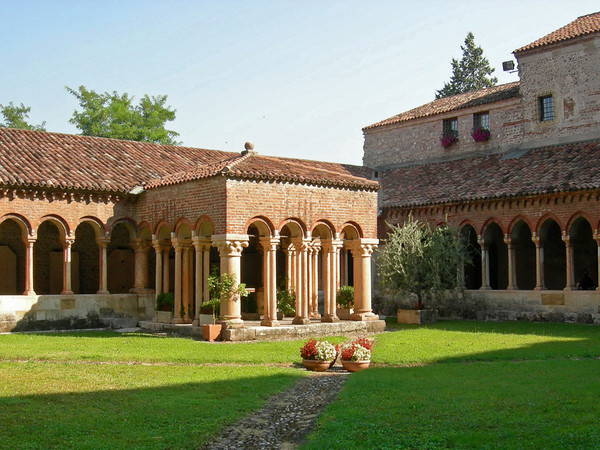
(325,351)
(361,353)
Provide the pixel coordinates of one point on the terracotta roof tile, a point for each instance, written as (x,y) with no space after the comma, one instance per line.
(456,102)
(581,26)
(537,171)
(63,161)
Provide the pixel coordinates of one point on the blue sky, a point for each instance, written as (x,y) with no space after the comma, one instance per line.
(297,78)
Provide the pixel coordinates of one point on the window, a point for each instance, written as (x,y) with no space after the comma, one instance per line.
(450,126)
(545,108)
(481,121)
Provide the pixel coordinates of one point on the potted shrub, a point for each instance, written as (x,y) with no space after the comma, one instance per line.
(286,303)
(221,288)
(345,302)
(318,355)
(356,355)
(164,307)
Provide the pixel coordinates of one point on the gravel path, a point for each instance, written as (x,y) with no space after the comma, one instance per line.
(287,417)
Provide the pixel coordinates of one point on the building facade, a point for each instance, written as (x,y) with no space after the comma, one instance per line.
(92,229)
(515,168)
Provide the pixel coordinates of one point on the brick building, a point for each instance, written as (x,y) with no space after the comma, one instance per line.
(516,168)
(92,228)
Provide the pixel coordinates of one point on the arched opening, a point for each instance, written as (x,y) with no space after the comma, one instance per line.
(555,262)
(121,259)
(322,235)
(524,256)
(348,235)
(85,260)
(146,236)
(12,258)
(48,259)
(253,270)
(296,274)
(497,256)
(585,253)
(472,270)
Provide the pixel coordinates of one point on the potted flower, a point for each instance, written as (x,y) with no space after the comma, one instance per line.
(286,302)
(480,134)
(221,288)
(318,355)
(356,355)
(164,307)
(345,302)
(448,139)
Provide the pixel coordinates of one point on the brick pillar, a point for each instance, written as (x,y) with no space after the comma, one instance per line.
(269,246)
(102,265)
(485,265)
(230,249)
(177,316)
(29,241)
(361,253)
(512,270)
(67,244)
(202,248)
(570,286)
(539,263)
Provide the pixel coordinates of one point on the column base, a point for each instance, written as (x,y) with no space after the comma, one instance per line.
(178,320)
(363,317)
(102,292)
(485,288)
(269,323)
(540,288)
(67,293)
(301,321)
(330,319)
(315,316)
(196,323)
(570,288)
(235,322)
(29,293)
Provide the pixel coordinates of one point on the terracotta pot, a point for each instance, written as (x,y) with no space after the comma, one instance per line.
(211,332)
(316,365)
(355,366)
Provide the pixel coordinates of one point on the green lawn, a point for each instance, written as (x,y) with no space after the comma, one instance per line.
(452,384)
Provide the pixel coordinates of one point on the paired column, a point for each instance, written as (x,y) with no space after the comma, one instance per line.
(29,242)
(361,253)
(331,249)
(230,249)
(313,260)
(539,263)
(68,243)
(141,248)
(301,281)
(485,265)
(202,248)
(177,313)
(269,246)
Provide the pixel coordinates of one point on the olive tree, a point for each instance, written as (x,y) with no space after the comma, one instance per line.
(420,260)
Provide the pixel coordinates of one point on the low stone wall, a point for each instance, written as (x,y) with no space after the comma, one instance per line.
(59,312)
(545,306)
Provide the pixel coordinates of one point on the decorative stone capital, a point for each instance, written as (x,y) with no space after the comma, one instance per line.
(230,244)
(363,247)
(269,243)
(201,243)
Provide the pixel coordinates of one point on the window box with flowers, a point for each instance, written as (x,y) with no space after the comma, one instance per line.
(448,139)
(356,355)
(480,134)
(318,355)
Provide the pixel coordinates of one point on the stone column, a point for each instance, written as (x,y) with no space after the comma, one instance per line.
(329,311)
(230,249)
(67,266)
(291,260)
(512,270)
(269,246)
(29,242)
(166,287)
(301,281)
(102,265)
(186,298)
(361,253)
(140,247)
(539,263)
(597,239)
(177,316)
(202,248)
(570,286)
(485,266)
(314,291)
(159,269)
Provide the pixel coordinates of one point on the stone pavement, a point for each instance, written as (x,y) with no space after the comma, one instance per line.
(287,417)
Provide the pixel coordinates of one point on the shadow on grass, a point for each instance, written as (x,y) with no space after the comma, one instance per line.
(127,407)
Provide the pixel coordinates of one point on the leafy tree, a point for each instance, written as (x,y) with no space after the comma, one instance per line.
(115,116)
(15,117)
(421,261)
(472,72)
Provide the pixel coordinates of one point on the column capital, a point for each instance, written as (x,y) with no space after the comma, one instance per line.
(230,244)
(480,240)
(269,243)
(69,241)
(140,245)
(201,243)
(332,244)
(566,239)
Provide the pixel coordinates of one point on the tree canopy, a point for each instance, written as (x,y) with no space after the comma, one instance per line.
(472,72)
(419,260)
(114,115)
(16,117)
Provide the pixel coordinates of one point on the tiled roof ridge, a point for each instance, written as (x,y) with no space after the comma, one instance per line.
(456,102)
(582,26)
